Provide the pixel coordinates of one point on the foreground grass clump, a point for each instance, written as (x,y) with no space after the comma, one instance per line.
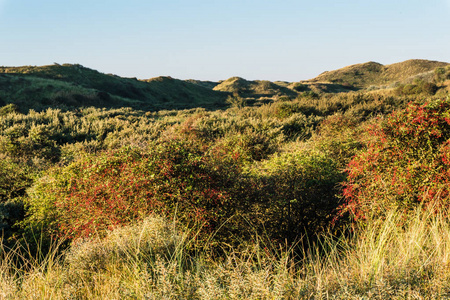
(396,258)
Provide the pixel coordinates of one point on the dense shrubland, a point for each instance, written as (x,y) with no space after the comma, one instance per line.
(297,198)
(277,166)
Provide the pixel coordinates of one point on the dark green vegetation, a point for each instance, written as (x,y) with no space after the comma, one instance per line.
(70,86)
(83,153)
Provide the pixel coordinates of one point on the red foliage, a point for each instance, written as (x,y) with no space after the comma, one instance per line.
(406,164)
(116,188)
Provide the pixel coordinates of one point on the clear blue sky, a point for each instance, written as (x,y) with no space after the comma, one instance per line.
(213,40)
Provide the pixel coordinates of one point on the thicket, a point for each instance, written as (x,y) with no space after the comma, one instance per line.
(205,188)
(418,87)
(227,156)
(404,165)
(272,170)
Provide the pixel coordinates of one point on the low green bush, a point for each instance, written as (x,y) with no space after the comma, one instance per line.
(418,87)
(14,180)
(8,109)
(296,194)
(340,137)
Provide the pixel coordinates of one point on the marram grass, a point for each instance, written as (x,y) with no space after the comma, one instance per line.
(394,258)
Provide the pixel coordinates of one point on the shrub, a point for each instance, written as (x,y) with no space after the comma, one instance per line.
(441,74)
(429,88)
(300,87)
(97,193)
(407,163)
(297,194)
(14,180)
(340,137)
(8,109)
(418,87)
(236,101)
(247,147)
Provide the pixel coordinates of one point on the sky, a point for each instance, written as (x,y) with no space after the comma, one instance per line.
(216,39)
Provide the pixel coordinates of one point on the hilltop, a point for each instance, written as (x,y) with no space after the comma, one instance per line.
(375,74)
(262,90)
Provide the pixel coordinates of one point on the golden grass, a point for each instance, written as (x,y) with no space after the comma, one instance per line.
(371,73)
(395,258)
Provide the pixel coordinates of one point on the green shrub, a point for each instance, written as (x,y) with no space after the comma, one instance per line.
(429,88)
(309,95)
(300,87)
(340,137)
(418,87)
(236,101)
(296,194)
(246,147)
(8,109)
(441,74)
(14,180)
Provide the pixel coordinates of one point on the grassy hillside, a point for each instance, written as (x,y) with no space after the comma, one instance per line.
(75,86)
(206,84)
(254,89)
(375,74)
(72,86)
(173,93)
(29,92)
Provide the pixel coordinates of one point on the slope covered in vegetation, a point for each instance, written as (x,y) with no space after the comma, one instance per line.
(308,195)
(375,74)
(71,86)
(256,89)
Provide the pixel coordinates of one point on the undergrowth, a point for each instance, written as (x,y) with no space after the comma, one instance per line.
(391,259)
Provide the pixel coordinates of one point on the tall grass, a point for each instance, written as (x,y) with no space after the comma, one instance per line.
(394,258)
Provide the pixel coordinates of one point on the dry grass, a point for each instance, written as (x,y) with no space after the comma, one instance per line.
(258,89)
(371,73)
(396,258)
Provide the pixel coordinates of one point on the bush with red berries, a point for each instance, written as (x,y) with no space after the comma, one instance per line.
(406,163)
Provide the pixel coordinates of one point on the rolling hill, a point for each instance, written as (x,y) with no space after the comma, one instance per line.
(375,74)
(255,89)
(72,85)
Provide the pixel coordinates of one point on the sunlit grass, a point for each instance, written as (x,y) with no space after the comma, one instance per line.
(395,258)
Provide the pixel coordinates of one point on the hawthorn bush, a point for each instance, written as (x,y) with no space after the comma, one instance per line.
(96,193)
(406,163)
